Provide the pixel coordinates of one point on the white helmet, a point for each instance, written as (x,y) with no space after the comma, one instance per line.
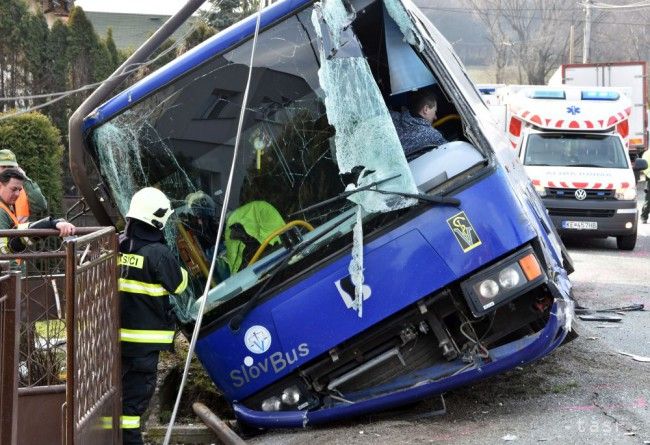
(150,206)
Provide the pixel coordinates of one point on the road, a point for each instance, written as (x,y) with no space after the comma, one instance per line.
(583,393)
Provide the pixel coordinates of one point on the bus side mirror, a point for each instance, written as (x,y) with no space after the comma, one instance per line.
(640,164)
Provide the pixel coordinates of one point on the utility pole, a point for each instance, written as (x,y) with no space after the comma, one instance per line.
(571,38)
(587,36)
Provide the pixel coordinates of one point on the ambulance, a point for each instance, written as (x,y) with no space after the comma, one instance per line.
(573,142)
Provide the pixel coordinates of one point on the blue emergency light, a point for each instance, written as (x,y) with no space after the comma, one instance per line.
(547,94)
(599,95)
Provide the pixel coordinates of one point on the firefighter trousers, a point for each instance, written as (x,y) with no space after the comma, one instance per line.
(138,386)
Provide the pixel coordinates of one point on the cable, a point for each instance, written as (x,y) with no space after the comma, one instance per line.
(64,94)
(224,207)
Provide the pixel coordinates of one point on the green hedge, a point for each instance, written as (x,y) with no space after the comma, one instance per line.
(37,145)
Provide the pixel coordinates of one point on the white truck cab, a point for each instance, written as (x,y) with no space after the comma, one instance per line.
(573,143)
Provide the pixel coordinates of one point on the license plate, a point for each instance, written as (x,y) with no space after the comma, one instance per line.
(580,225)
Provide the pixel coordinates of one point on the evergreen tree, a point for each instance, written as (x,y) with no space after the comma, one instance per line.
(83,46)
(226,12)
(37,145)
(200,32)
(36,60)
(57,70)
(115,58)
(13,43)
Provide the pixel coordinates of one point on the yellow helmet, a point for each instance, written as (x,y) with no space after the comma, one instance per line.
(151,206)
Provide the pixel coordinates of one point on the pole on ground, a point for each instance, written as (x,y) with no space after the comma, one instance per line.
(212,421)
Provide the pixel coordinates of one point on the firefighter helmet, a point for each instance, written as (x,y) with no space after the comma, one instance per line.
(150,206)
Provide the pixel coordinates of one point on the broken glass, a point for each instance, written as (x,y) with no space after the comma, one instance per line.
(315,124)
(365,139)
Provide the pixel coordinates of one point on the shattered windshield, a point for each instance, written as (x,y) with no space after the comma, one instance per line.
(317,124)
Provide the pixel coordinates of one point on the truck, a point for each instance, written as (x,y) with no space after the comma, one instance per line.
(632,75)
(354,279)
(572,142)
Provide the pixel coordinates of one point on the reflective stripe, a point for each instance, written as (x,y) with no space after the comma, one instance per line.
(128,422)
(181,287)
(146,336)
(140,287)
(106,422)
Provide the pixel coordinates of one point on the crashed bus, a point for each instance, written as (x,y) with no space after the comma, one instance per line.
(350,279)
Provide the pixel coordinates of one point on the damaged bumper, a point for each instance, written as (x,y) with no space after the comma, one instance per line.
(427,382)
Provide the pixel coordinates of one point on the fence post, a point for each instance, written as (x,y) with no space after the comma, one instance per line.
(9,356)
(70,289)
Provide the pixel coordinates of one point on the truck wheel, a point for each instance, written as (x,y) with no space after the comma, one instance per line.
(626,242)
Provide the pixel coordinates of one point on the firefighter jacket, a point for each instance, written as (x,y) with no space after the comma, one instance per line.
(148,274)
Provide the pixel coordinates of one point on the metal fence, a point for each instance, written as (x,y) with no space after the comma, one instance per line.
(9,322)
(93,388)
(68,350)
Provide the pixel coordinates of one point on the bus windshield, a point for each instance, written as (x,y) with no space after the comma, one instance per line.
(575,150)
(317,123)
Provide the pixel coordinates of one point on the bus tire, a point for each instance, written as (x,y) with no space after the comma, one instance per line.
(626,242)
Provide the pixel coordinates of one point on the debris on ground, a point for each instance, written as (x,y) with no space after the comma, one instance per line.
(630,308)
(601,317)
(638,358)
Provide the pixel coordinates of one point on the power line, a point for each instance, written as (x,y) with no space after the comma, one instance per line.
(558,19)
(58,96)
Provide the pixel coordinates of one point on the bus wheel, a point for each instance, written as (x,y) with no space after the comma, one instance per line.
(626,242)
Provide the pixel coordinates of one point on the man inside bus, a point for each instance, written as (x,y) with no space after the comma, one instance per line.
(414,126)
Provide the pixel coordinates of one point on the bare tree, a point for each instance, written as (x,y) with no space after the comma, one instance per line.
(497,37)
(621,34)
(534,32)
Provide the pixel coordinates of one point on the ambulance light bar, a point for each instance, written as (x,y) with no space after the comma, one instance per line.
(600,95)
(547,94)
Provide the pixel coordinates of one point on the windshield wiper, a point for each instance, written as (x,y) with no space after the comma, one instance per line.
(343,195)
(584,165)
(238,318)
(432,199)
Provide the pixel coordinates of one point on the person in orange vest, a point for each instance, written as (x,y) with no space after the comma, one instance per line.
(31,199)
(11,184)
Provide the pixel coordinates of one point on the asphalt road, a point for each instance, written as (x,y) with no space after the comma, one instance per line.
(583,393)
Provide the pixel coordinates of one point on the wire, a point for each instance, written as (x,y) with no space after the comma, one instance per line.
(523,16)
(224,209)
(64,94)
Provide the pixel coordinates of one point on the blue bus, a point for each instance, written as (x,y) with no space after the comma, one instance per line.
(351,278)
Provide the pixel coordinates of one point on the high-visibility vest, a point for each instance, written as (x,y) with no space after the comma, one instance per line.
(5,241)
(22,207)
(10,212)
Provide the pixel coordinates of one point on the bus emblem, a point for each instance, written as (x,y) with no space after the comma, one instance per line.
(580,194)
(464,231)
(257,339)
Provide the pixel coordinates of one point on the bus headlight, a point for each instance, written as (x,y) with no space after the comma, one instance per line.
(488,289)
(272,404)
(291,396)
(626,194)
(509,277)
(503,281)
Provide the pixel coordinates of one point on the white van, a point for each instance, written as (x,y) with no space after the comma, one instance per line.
(573,143)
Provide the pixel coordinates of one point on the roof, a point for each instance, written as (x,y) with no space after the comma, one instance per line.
(570,108)
(131,30)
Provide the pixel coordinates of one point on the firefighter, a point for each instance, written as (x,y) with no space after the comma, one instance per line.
(149,274)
